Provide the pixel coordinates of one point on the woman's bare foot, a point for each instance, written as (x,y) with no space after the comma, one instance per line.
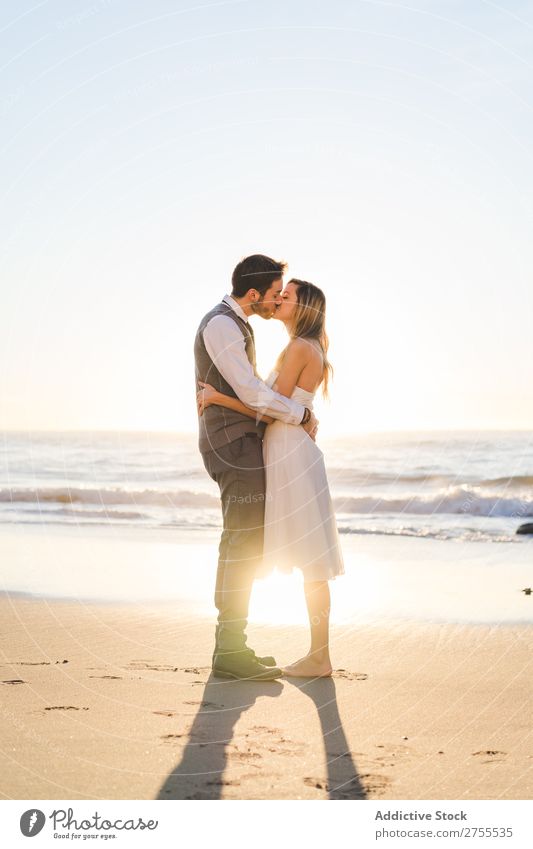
(309,667)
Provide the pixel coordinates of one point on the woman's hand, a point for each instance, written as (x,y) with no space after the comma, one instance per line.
(205,397)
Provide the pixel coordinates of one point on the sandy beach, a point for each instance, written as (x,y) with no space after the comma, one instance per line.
(110,701)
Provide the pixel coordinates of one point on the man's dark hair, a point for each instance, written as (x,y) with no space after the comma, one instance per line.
(256,272)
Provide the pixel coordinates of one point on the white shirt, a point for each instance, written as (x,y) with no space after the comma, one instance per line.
(225,345)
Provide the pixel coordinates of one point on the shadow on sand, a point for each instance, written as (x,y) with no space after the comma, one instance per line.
(342,780)
(200,772)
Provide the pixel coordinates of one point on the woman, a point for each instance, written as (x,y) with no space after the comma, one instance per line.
(300,527)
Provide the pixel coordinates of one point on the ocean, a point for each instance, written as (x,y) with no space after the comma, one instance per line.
(456,486)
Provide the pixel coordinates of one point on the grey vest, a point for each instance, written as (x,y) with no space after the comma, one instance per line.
(219,425)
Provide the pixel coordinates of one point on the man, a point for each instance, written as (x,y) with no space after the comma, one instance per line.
(231,446)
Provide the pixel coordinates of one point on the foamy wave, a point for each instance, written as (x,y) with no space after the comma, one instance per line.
(459,500)
(512,481)
(68,495)
(453,500)
(107,515)
(360,477)
(457,534)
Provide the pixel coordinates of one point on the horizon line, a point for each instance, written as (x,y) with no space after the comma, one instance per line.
(189,433)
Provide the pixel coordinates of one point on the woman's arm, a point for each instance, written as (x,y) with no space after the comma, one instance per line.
(208,395)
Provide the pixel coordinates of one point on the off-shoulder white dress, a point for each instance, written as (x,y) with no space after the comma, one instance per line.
(300,526)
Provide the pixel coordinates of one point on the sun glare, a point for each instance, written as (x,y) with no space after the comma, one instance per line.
(279,600)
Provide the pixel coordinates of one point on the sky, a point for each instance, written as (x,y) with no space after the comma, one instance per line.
(383,149)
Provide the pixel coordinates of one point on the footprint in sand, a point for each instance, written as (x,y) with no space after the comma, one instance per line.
(350,676)
(361,758)
(114,677)
(244,756)
(158,667)
(362,787)
(317,783)
(291,750)
(392,755)
(28,663)
(375,785)
(65,707)
(14,681)
(492,755)
(204,704)
(165,712)
(280,746)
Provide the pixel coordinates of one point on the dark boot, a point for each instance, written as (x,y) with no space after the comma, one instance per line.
(243,665)
(267,660)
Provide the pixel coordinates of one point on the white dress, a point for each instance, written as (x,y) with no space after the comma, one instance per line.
(300,526)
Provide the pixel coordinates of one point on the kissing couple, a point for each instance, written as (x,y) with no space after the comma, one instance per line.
(258,442)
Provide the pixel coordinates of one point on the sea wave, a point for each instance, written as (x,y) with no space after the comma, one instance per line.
(103,496)
(512,481)
(458,500)
(456,534)
(453,500)
(430,479)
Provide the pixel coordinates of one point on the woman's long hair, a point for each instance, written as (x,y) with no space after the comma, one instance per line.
(309,322)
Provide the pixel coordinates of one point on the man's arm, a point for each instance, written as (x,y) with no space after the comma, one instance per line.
(226,346)
(226,401)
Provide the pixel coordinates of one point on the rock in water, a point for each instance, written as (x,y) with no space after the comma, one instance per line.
(525,529)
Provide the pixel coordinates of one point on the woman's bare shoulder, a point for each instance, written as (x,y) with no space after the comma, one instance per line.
(306,347)
(308,350)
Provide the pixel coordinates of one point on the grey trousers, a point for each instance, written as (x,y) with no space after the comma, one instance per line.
(239,472)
